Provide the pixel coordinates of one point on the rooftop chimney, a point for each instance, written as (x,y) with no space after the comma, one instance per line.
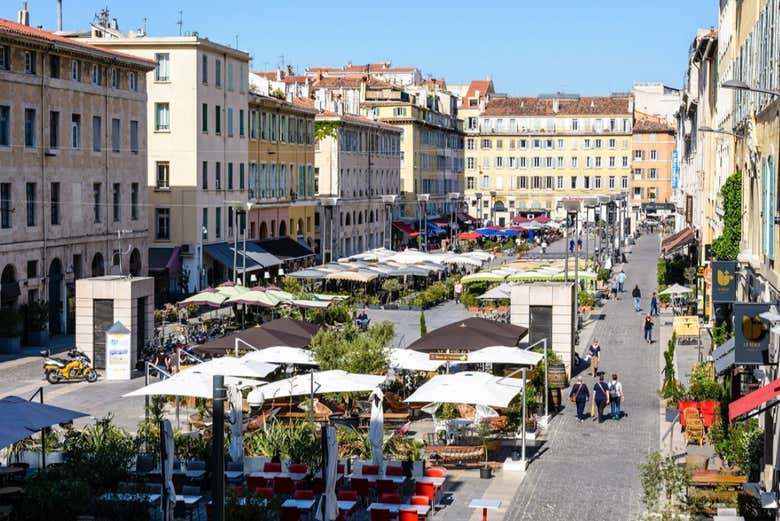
(556,105)
(24,16)
(59,15)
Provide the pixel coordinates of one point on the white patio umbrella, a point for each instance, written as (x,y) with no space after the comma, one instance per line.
(499,292)
(167,454)
(376,428)
(468,387)
(331,499)
(236,418)
(189,383)
(675,289)
(231,366)
(281,355)
(504,355)
(411,360)
(317,382)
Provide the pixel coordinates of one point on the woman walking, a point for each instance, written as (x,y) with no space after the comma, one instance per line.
(648,327)
(579,395)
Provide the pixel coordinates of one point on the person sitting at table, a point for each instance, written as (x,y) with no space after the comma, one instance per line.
(363,320)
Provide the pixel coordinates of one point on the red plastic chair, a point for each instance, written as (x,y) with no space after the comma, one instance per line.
(360,485)
(380,514)
(385,486)
(435,472)
(393,498)
(394,470)
(264,492)
(419,500)
(370,470)
(425,489)
(347,495)
(290,514)
(284,486)
(253,483)
(407,514)
(303,494)
(298,468)
(272,467)
(340,468)
(316,486)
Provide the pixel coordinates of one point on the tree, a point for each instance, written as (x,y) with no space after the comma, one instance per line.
(423,327)
(353,350)
(726,247)
(664,485)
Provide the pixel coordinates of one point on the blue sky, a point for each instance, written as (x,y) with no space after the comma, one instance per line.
(585,46)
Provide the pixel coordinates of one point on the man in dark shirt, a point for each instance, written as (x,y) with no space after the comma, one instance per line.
(637,295)
(579,395)
(594,352)
(601,397)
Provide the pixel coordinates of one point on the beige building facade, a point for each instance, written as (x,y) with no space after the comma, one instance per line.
(651,167)
(73,160)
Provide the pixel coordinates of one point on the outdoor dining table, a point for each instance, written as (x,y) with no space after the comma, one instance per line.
(232,475)
(372,478)
(295,476)
(129,496)
(189,474)
(300,504)
(485,505)
(393,508)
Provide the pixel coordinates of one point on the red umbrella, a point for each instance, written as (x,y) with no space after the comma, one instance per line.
(520,219)
(469,236)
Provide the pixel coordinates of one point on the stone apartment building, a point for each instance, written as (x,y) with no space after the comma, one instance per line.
(651,166)
(73,166)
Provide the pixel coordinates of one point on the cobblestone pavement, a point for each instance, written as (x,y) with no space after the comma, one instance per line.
(590,471)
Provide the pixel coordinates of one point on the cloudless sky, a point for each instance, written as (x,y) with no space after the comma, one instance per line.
(584,46)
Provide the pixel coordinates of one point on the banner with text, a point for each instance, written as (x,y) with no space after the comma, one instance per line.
(751,334)
(724,281)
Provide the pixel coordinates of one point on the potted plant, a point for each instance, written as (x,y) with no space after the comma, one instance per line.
(36,322)
(10,331)
(486,472)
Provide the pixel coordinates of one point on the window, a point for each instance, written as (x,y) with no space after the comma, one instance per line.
(522,182)
(653,155)
(134,201)
(548,162)
(218,73)
(573,182)
(5,205)
(612,161)
(241,122)
(230,121)
(230,76)
(115,78)
(204,230)
(611,184)
(470,163)
(218,175)
(133,137)
(54,66)
(499,162)
(162,116)
(230,221)
(588,162)
(54,129)
(162,224)
(204,175)
(204,118)
(548,182)
(5,57)
(586,179)
(97,74)
(116,138)
(560,145)
(218,222)
(637,173)
(241,176)
(597,143)
(537,143)
(559,182)
(97,131)
(5,125)
(485,182)
(638,155)
(598,162)
(204,69)
(75,131)
(575,162)
(548,143)
(30,194)
(29,62)
(499,144)
(559,163)
(612,143)
(536,162)
(132,81)
(230,176)
(469,183)
(96,188)
(218,120)
(75,70)
(575,124)
(163,70)
(29,128)
(537,182)
(116,195)
(586,144)
(241,78)
(624,182)
(32,270)
(653,173)
(522,143)
(597,184)
(625,162)
(163,175)
(55,203)
(486,143)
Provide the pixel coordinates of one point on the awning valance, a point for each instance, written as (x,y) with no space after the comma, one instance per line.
(405,228)
(677,241)
(754,400)
(256,257)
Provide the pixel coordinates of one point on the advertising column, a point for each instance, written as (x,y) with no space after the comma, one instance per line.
(118,355)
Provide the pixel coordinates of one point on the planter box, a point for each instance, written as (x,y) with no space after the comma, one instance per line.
(10,345)
(38,338)
(373,306)
(33,458)
(391,306)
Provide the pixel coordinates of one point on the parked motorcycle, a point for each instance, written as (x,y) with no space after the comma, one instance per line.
(77,367)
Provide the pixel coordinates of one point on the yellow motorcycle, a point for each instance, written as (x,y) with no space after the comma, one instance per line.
(78,367)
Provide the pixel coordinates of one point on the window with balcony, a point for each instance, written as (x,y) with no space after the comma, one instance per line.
(162,71)
(163,175)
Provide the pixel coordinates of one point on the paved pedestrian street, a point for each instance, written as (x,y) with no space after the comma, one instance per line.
(590,471)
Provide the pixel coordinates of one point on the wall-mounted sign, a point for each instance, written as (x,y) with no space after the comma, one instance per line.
(724,281)
(449,357)
(689,209)
(751,334)
(675,171)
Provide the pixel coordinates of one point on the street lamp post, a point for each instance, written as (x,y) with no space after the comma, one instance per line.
(454,198)
(493,208)
(423,199)
(478,195)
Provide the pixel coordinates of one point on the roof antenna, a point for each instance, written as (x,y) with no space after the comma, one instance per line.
(180,23)
(236,41)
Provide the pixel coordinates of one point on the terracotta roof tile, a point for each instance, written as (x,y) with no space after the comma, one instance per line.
(483,86)
(349,82)
(356,119)
(527,106)
(9,27)
(304,102)
(648,123)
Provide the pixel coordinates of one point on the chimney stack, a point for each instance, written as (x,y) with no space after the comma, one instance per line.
(59,15)
(23,17)
(556,105)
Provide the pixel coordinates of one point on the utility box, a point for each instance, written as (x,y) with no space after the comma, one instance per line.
(102,301)
(548,310)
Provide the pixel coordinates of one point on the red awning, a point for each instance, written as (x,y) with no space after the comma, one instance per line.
(441,222)
(677,241)
(469,236)
(754,400)
(467,218)
(543,219)
(520,219)
(405,228)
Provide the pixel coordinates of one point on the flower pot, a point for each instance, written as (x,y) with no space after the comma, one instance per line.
(485,473)
(38,338)
(10,345)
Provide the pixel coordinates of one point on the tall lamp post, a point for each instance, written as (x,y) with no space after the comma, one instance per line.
(389,201)
(493,208)
(423,199)
(327,241)
(454,199)
(240,208)
(478,195)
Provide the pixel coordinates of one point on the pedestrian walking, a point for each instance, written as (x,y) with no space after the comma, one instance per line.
(621,280)
(579,243)
(594,352)
(458,290)
(654,305)
(580,395)
(614,289)
(648,328)
(600,397)
(544,246)
(637,296)
(571,245)
(615,397)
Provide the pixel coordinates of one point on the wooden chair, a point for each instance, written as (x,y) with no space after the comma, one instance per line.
(694,430)
(395,404)
(466,411)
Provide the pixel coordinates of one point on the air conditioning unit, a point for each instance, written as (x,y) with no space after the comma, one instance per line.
(185,250)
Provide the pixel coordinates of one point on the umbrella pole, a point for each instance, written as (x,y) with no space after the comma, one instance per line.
(218,447)
(324,440)
(45,430)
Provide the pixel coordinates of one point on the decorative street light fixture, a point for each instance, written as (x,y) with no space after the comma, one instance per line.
(741,85)
(454,201)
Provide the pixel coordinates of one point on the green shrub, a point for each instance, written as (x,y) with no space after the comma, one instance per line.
(423,326)
(353,350)
(56,494)
(702,386)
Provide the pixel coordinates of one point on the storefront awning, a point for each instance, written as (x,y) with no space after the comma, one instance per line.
(724,356)
(466,218)
(256,257)
(162,259)
(285,248)
(677,241)
(759,399)
(406,229)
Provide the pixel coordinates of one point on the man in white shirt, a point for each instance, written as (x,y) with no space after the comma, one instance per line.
(458,290)
(615,397)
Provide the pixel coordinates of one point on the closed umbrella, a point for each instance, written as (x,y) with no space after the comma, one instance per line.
(236,417)
(331,499)
(468,387)
(167,455)
(376,429)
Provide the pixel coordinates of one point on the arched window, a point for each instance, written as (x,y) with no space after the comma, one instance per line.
(263,230)
(135,262)
(282,228)
(98,266)
(9,287)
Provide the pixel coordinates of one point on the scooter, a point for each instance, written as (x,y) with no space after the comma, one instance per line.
(77,368)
